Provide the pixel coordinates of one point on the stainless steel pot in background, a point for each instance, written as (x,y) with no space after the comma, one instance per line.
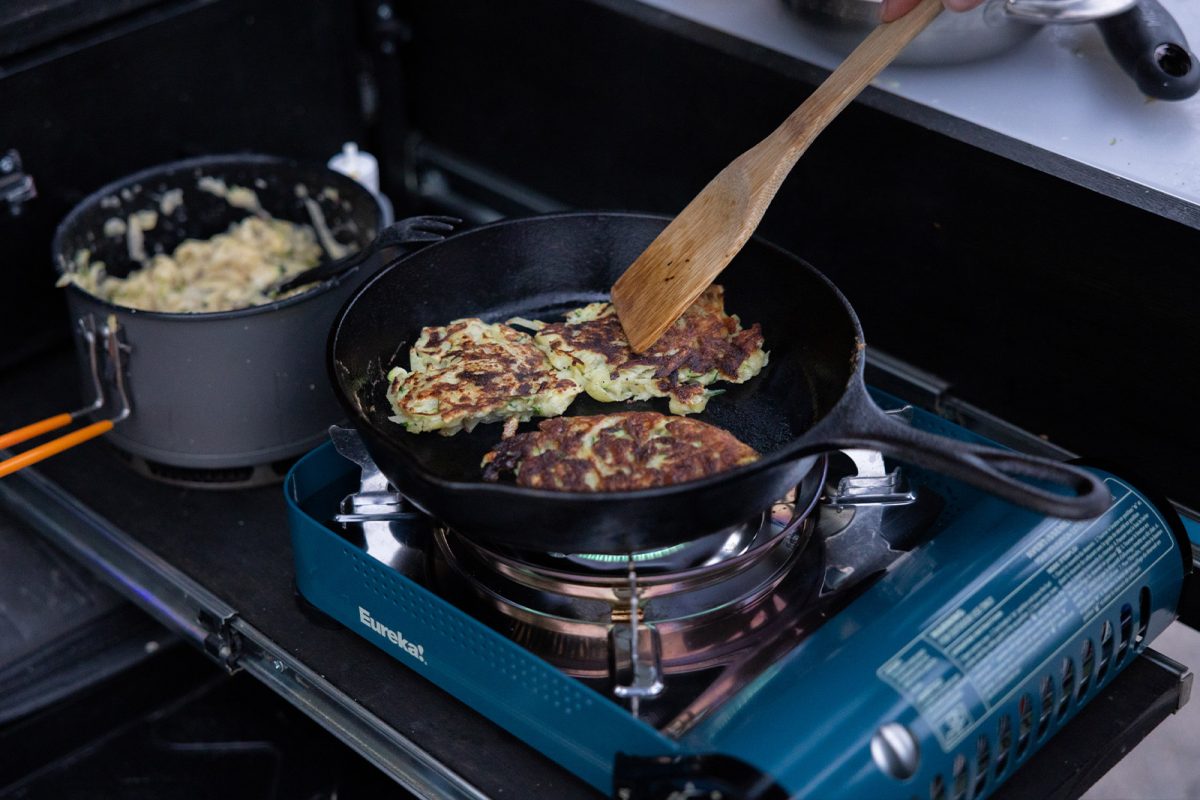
(1141,35)
(983,32)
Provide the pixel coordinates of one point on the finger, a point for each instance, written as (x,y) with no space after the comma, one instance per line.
(892,10)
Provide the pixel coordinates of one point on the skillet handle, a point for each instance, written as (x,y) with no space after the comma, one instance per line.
(991,469)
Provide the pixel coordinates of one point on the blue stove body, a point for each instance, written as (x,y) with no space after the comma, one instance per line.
(939,679)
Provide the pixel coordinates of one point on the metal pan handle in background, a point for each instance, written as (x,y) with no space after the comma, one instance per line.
(1005,473)
(1053,12)
(1142,36)
(1150,46)
(111,339)
(408,234)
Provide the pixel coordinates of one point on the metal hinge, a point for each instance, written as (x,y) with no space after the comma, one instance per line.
(222,643)
(388,28)
(16,188)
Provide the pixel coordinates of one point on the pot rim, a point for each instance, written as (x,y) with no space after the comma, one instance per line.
(148,173)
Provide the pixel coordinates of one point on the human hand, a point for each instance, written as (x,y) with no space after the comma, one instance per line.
(894,9)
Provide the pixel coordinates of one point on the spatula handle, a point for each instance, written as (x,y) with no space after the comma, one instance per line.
(690,252)
(866,61)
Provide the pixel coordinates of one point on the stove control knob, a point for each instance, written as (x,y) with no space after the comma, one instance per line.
(895,751)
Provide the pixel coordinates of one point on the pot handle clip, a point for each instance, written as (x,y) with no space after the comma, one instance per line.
(406,234)
(110,335)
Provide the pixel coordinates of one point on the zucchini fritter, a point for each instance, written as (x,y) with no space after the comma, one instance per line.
(469,372)
(703,346)
(615,452)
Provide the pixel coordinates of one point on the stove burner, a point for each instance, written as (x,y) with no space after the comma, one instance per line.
(696,602)
(248,477)
(707,550)
(604,559)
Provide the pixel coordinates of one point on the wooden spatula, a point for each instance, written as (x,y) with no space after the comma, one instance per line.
(690,252)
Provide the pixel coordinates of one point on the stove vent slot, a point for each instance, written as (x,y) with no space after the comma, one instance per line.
(1143,617)
(1003,743)
(937,788)
(1087,659)
(1047,709)
(960,778)
(1025,715)
(1126,631)
(169,473)
(1067,672)
(983,764)
(1106,651)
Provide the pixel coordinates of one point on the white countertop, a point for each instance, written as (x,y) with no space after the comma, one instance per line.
(1060,91)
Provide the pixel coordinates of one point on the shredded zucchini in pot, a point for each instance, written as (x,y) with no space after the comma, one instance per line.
(228,271)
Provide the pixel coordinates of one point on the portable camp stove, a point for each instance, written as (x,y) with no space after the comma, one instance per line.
(874,634)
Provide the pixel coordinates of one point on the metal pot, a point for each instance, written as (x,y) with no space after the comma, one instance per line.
(983,32)
(1142,36)
(213,390)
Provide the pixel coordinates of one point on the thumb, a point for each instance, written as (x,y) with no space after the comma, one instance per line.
(892,10)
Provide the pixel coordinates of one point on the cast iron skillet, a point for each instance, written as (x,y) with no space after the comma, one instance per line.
(810,398)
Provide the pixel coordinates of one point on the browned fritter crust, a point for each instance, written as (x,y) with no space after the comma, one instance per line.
(490,372)
(470,372)
(702,341)
(615,452)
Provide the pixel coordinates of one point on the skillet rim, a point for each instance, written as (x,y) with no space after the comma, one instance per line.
(794,451)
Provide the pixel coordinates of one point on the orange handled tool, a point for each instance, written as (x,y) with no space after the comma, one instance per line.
(36,429)
(51,448)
